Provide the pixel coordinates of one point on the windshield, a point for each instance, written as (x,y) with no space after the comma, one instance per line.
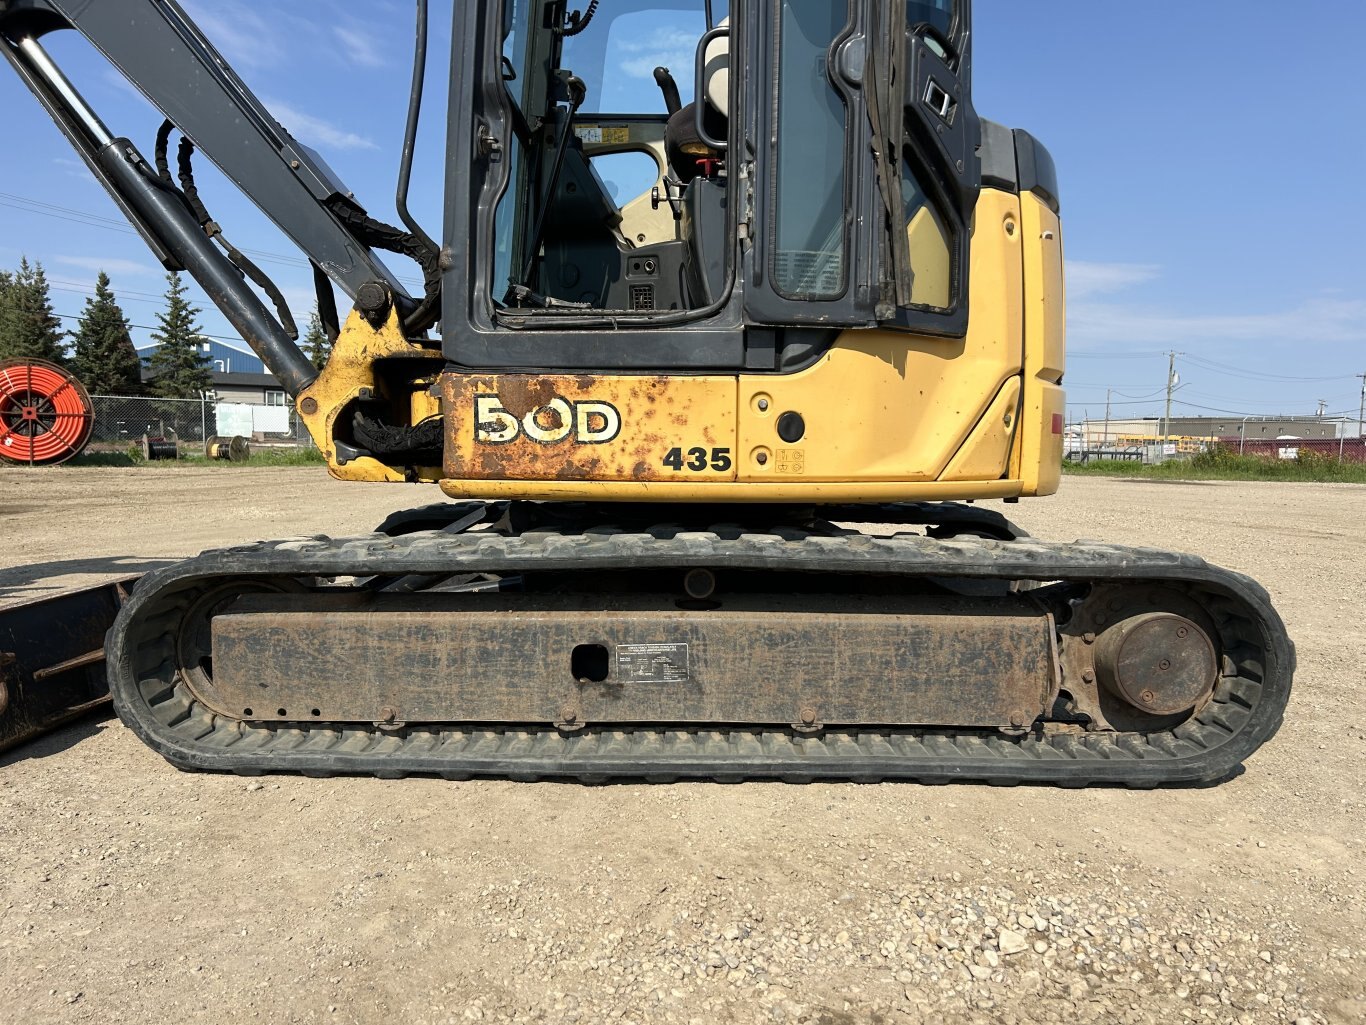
(593,213)
(617,53)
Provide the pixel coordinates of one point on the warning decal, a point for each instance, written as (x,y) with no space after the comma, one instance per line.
(603,134)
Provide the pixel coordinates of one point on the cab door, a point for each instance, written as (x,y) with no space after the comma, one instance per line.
(865,166)
(934,132)
(809,185)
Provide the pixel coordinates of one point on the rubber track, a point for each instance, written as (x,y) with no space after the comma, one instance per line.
(1247,709)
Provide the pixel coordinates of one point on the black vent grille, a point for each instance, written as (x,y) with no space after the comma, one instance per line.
(642,297)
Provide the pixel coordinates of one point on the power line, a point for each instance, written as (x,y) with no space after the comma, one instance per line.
(77,285)
(1134,402)
(1254,375)
(1264,402)
(1286,416)
(66,213)
(1114,355)
(88,294)
(146,327)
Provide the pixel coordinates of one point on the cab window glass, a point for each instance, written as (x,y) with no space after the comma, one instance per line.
(928,243)
(809,187)
(616,55)
(938,13)
(626,176)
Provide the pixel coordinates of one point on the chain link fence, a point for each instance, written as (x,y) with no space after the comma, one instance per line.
(124,420)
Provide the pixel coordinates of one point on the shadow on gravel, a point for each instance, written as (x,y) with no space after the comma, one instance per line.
(19,582)
(61,739)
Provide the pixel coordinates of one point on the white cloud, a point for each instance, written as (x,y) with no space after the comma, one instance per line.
(110,265)
(1097,320)
(358,46)
(672,48)
(1087,279)
(314,131)
(1312,322)
(241,34)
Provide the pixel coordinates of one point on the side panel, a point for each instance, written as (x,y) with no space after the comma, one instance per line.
(888,405)
(984,456)
(473,658)
(1042,421)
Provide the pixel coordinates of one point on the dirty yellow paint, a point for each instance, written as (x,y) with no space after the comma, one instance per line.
(589,428)
(1039,456)
(985,454)
(326,405)
(720,491)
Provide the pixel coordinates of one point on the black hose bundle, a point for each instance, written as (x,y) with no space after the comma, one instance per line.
(184,162)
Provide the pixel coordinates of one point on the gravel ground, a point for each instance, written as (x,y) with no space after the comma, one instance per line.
(133,893)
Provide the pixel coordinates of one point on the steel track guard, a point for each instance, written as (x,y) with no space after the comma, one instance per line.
(52,659)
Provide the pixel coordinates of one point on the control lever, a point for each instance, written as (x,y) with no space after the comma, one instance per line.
(674,199)
(673,102)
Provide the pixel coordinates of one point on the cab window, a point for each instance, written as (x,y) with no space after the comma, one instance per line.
(938,13)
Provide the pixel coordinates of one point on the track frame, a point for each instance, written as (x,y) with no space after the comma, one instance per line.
(153,697)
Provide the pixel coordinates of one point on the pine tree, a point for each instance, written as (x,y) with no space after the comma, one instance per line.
(6,283)
(317,347)
(179,368)
(105,360)
(28,327)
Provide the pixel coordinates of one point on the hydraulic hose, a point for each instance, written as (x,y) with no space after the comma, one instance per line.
(405,170)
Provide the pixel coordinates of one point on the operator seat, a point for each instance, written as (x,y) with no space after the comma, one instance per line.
(682,143)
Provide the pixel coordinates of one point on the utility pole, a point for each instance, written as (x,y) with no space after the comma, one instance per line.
(1362,408)
(1106,442)
(1167,420)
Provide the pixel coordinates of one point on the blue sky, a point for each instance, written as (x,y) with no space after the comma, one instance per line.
(1209,157)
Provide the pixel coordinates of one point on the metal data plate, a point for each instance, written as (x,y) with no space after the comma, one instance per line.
(546,659)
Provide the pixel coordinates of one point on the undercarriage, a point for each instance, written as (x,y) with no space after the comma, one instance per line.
(534,641)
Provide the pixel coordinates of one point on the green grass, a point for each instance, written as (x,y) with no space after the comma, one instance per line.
(1222,464)
(132,457)
(129,458)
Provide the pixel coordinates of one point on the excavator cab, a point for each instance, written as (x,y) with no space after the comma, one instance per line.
(809,229)
(724,232)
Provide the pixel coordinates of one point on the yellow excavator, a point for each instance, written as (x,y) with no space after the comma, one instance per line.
(713,383)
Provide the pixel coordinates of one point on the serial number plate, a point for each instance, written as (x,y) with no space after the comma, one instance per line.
(652,663)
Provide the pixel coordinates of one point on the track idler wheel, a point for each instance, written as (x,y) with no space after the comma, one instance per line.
(45,413)
(1157,662)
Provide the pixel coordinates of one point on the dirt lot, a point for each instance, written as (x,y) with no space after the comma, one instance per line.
(130,892)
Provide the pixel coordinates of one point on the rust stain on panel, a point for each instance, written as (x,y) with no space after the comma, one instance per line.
(583,428)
